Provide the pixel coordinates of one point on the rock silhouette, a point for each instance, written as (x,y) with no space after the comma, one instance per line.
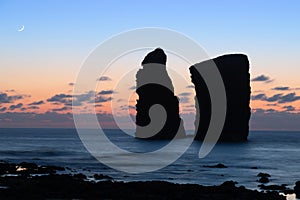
(154,88)
(234,70)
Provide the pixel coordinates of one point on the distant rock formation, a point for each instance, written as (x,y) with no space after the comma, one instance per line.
(154,86)
(234,70)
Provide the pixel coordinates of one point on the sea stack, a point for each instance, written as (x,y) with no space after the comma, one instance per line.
(234,70)
(157,107)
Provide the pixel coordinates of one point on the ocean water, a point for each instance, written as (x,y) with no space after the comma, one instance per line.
(276,153)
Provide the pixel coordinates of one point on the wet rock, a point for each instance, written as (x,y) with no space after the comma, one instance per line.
(263,180)
(101,177)
(264,177)
(79,176)
(273,187)
(69,187)
(297,189)
(234,70)
(220,165)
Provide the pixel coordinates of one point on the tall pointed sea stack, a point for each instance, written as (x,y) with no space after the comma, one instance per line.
(234,70)
(155,88)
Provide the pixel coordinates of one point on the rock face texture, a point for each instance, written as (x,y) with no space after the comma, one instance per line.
(154,86)
(234,70)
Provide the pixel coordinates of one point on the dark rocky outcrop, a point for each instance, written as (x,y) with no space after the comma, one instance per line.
(71,187)
(154,86)
(77,186)
(297,189)
(234,70)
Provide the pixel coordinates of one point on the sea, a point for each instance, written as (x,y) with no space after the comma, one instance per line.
(274,152)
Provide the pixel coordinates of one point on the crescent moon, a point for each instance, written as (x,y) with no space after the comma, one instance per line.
(22,28)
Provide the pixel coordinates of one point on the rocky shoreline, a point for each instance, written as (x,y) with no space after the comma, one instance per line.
(30,181)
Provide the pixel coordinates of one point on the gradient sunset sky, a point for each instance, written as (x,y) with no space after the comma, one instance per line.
(39,65)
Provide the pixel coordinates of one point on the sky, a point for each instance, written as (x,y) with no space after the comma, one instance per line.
(39,65)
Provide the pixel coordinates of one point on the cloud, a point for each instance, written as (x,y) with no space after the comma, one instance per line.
(274,98)
(280,98)
(61,109)
(260,96)
(84,97)
(289,108)
(71,84)
(184,100)
(5,98)
(80,99)
(127,107)
(104,78)
(60,98)
(121,100)
(2,109)
(13,107)
(36,103)
(132,88)
(185,94)
(262,78)
(106,92)
(101,99)
(33,107)
(272,104)
(281,88)
(190,86)
(291,97)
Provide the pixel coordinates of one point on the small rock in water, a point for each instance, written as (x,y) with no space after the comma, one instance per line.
(263,175)
(220,165)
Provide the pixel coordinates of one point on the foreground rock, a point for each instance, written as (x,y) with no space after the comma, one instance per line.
(49,185)
(73,187)
(154,86)
(234,70)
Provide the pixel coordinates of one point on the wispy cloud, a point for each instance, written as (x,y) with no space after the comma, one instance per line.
(106,92)
(289,108)
(190,86)
(132,88)
(185,94)
(61,109)
(5,98)
(60,98)
(17,106)
(260,96)
(184,100)
(281,88)
(102,99)
(262,78)
(104,78)
(34,107)
(36,103)
(280,98)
